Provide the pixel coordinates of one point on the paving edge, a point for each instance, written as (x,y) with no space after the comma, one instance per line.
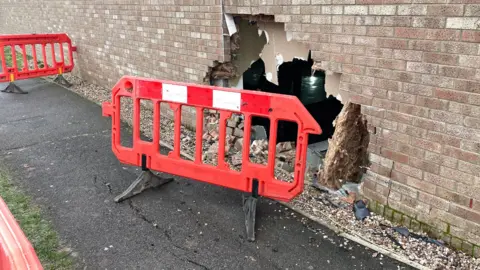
(342,233)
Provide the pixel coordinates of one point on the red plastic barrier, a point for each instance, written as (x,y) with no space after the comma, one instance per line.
(16,252)
(49,46)
(226,101)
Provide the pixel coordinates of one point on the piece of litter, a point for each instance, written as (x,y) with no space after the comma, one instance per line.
(106,248)
(111,246)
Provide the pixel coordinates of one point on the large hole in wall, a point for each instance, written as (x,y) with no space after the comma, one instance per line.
(264,57)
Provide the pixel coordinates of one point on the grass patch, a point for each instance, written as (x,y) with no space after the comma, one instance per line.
(38,230)
(19,56)
(9,57)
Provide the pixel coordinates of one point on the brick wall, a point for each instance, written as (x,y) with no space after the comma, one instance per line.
(414,65)
(176,40)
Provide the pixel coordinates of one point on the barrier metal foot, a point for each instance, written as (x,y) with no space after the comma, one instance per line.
(250,209)
(13,88)
(61,80)
(144,181)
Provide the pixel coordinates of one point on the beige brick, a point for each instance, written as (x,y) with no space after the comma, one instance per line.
(366,41)
(441,159)
(471,9)
(472,122)
(380,31)
(418,89)
(422,67)
(368,20)
(402,97)
(445,116)
(354,30)
(411,10)
(409,55)
(428,22)
(424,45)
(408,170)
(442,138)
(457,72)
(332,9)
(437,81)
(462,23)
(459,47)
(469,61)
(341,39)
(456,174)
(461,154)
(396,21)
(321,19)
(356,10)
(382,10)
(469,168)
(445,10)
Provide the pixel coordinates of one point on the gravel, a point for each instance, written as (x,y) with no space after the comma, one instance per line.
(322,205)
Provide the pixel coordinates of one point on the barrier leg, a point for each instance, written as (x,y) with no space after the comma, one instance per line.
(144,181)
(13,88)
(250,209)
(61,80)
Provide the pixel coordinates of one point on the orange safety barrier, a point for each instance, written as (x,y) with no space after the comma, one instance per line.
(255,178)
(16,252)
(51,54)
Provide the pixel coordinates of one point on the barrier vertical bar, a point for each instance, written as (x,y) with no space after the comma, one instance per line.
(34,54)
(44,52)
(199,135)
(247,128)
(136,119)
(4,62)
(221,139)
(272,146)
(54,59)
(24,52)
(62,57)
(177,130)
(14,58)
(156,126)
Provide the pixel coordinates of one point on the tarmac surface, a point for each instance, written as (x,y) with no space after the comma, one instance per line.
(57,147)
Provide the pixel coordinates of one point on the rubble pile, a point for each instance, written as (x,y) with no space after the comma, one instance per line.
(336,210)
(285,151)
(330,207)
(347,150)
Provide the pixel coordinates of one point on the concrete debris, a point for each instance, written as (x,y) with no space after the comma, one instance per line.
(223,71)
(235,43)
(320,204)
(258,133)
(347,151)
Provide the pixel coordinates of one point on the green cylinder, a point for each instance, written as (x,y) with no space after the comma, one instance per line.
(313,88)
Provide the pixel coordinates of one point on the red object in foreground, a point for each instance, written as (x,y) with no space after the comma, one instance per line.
(54,51)
(226,101)
(254,178)
(16,252)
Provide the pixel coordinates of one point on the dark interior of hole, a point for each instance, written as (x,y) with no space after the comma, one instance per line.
(296,78)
